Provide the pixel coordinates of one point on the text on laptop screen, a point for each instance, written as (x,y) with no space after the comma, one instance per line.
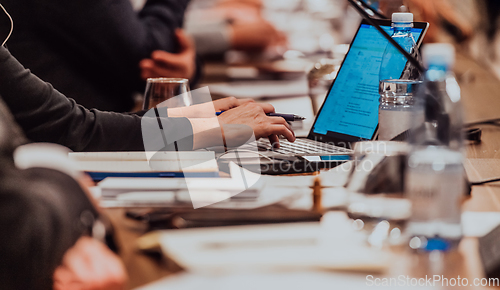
(351,108)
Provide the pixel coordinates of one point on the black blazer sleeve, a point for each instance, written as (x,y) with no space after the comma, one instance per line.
(45,115)
(90,49)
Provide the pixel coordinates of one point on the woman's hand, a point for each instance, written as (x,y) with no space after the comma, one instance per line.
(172,65)
(90,265)
(251,117)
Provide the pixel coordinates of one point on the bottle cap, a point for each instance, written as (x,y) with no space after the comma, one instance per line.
(400,17)
(438,54)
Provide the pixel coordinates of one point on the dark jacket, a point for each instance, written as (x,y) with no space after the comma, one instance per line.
(40,219)
(45,115)
(90,49)
(40,216)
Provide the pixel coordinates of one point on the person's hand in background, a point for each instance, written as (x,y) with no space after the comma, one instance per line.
(234,24)
(242,11)
(248,30)
(90,265)
(171,65)
(255,36)
(255,3)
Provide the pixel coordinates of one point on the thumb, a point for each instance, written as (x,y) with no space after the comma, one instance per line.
(185,42)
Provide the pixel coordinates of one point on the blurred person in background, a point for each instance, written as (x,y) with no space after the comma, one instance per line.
(493,11)
(46,115)
(46,219)
(472,25)
(485,45)
(216,26)
(91,50)
(446,18)
(172,65)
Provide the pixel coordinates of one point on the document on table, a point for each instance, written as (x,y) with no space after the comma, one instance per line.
(332,246)
(227,192)
(293,192)
(478,224)
(195,161)
(293,280)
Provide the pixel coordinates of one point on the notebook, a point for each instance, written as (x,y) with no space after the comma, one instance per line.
(100,165)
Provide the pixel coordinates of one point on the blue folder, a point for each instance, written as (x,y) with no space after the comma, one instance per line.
(98,176)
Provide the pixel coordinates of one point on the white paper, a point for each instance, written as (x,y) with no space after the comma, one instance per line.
(196,161)
(333,235)
(293,280)
(272,247)
(232,193)
(478,224)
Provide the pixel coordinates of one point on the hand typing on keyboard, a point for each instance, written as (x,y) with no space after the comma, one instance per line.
(254,116)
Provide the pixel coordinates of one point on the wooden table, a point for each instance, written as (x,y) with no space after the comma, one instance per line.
(481,100)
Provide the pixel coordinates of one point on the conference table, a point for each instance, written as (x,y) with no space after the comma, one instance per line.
(481,100)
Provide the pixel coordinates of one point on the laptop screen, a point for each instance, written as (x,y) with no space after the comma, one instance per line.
(351,107)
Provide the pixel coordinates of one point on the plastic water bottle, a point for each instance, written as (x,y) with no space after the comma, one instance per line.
(434,180)
(398,80)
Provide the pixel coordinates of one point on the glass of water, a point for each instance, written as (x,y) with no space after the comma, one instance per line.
(375,189)
(398,109)
(167,92)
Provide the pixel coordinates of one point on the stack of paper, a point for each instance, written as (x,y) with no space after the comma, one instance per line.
(114,186)
(136,164)
(243,185)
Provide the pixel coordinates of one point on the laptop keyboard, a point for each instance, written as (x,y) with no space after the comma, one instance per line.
(302,147)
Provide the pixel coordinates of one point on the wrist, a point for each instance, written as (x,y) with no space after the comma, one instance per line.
(205,110)
(207,132)
(176,112)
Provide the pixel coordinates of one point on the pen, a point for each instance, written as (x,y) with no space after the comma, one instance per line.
(287,117)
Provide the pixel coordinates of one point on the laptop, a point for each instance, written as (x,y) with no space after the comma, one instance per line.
(349,112)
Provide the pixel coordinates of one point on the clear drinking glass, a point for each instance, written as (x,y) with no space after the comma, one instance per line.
(320,78)
(167,92)
(376,201)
